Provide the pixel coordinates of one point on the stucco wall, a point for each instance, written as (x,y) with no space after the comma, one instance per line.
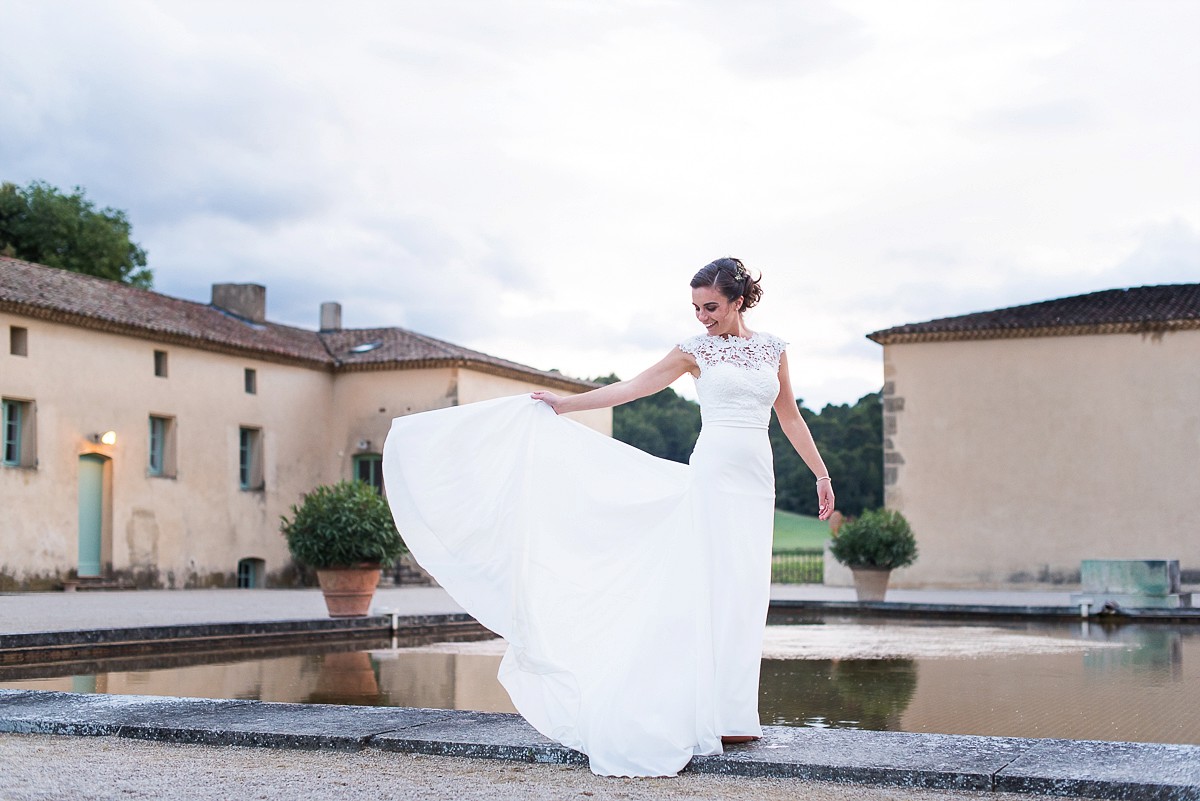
(366,402)
(191,527)
(188,526)
(1015,459)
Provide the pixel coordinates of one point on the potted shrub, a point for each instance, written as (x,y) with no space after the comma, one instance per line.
(872,546)
(346,533)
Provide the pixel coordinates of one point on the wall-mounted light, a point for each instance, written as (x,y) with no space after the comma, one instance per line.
(107,438)
(364,444)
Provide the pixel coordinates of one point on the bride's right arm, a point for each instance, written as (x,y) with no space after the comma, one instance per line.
(647,382)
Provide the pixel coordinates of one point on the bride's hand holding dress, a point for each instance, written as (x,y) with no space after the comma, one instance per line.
(653,379)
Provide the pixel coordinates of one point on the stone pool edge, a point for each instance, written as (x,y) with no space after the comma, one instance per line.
(982,612)
(73,645)
(1095,769)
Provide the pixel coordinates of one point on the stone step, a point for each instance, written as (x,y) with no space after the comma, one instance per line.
(407,573)
(96,583)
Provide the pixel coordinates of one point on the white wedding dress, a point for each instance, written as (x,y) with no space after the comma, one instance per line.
(632,590)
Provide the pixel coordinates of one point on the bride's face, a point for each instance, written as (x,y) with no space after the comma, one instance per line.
(718,315)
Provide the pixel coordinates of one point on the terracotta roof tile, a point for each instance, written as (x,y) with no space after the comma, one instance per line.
(106,305)
(384,348)
(1114,311)
(49,293)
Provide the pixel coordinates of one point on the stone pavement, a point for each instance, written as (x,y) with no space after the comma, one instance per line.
(21,613)
(72,611)
(48,768)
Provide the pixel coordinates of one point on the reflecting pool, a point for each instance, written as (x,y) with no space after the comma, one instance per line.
(1136,682)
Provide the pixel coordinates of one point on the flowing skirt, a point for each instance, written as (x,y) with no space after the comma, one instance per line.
(632,590)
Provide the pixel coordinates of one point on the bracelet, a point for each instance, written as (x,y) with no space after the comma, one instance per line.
(824,478)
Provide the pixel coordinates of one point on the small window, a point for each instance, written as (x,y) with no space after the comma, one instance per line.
(250,476)
(18,340)
(18,434)
(12,432)
(250,573)
(368,467)
(251,381)
(162,447)
(160,363)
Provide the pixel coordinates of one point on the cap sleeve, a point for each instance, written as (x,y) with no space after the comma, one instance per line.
(692,344)
(777,345)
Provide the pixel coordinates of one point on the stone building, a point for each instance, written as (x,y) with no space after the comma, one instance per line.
(1019,442)
(158,441)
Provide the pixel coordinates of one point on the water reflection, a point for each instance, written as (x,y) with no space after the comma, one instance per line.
(1149,651)
(347,678)
(860,694)
(1130,682)
(443,680)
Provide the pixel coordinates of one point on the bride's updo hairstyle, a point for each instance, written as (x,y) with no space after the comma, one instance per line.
(731,278)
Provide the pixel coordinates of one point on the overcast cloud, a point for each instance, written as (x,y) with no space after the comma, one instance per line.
(540,179)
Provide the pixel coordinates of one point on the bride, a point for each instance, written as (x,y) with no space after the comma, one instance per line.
(632,591)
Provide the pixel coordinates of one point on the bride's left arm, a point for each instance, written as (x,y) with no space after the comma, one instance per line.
(651,380)
(796,430)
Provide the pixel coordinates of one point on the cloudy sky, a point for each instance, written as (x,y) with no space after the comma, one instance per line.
(539,179)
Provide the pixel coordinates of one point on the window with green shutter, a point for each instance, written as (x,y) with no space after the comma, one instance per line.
(161,461)
(368,467)
(19,434)
(12,432)
(250,474)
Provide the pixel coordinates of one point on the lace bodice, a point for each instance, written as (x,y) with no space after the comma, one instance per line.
(739,377)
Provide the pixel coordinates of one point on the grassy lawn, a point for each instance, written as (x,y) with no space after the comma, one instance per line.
(799,531)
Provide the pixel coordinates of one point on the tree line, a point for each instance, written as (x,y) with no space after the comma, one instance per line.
(850,437)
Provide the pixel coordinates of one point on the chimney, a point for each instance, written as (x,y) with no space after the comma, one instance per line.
(331,316)
(248,301)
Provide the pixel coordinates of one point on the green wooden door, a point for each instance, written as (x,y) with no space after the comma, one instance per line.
(91,512)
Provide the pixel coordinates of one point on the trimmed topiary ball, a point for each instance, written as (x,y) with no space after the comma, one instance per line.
(342,525)
(879,539)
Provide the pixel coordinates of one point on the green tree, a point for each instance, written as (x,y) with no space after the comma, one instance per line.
(663,424)
(39,223)
(850,439)
(851,443)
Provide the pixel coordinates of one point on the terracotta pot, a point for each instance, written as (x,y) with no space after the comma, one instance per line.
(349,590)
(870,583)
